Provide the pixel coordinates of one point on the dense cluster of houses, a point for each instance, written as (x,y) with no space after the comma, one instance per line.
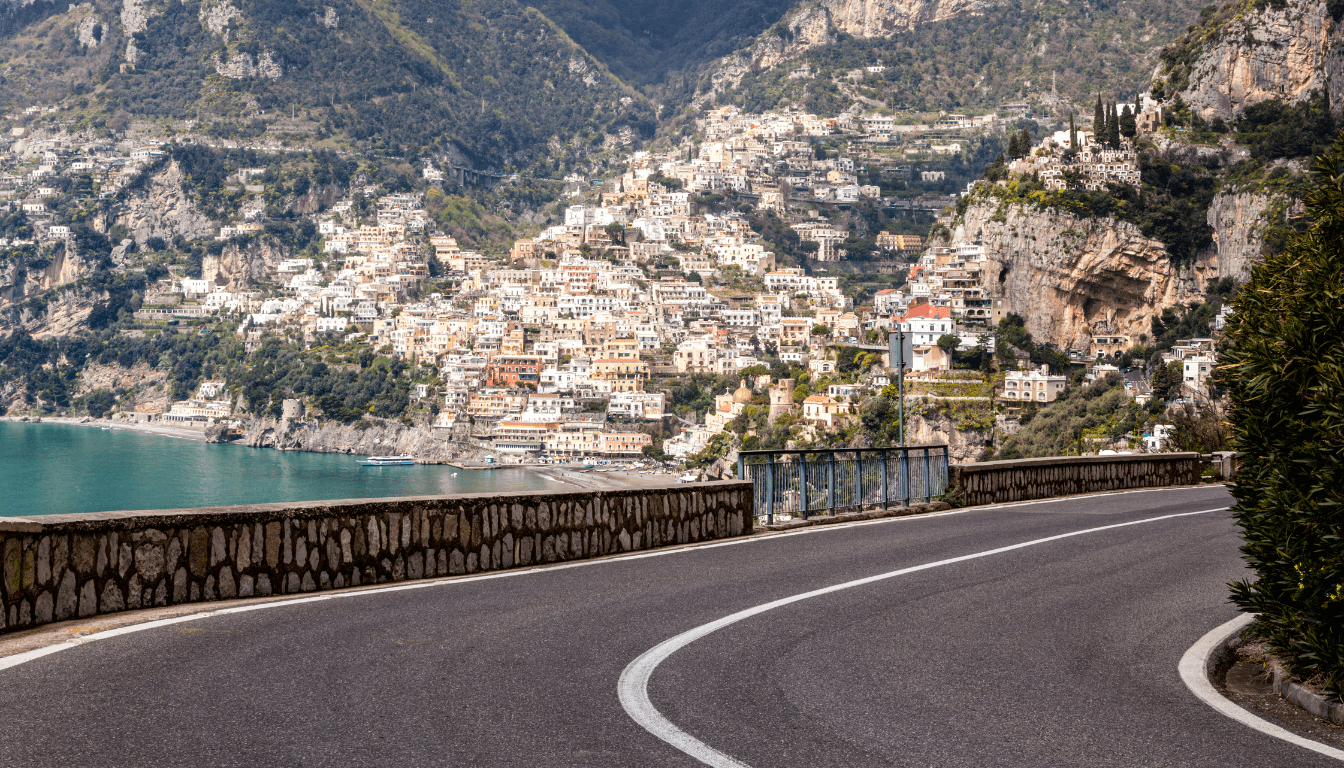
(35,170)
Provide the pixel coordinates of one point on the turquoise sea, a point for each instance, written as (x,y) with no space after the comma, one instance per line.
(63,468)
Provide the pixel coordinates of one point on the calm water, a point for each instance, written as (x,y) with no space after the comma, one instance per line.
(60,468)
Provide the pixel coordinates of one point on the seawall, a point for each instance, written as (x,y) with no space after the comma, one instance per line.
(997,482)
(58,567)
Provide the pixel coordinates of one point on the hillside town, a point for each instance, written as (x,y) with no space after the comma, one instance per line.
(559,348)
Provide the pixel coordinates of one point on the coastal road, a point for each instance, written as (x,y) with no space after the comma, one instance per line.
(1062,651)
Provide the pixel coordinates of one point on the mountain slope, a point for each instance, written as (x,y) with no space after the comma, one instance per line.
(644,40)
(948,54)
(493,79)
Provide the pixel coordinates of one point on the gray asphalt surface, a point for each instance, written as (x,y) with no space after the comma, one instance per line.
(1062,654)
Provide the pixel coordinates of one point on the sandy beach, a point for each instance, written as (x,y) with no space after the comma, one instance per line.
(162,430)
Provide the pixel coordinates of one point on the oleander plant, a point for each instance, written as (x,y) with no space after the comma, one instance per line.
(1284,374)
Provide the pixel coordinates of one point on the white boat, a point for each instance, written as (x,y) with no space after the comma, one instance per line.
(389,461)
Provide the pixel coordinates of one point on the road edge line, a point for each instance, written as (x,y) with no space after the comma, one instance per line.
(632,689)
(1199,661)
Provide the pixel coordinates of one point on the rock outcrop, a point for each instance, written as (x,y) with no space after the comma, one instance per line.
(239,65)
(369,437)
(1287,51)
(818,23)
(932,427)
(164,210)
(1237,219)
(1071,278)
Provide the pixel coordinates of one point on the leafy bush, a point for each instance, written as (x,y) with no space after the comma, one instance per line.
(1284,372)
(1059,429)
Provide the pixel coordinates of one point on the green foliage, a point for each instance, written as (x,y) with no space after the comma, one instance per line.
(1273,130)
(1284,373)
(1059,428)
(1171,205)
(1013,330)
(492,78)
(981,60)
(717,447)
(1166,381)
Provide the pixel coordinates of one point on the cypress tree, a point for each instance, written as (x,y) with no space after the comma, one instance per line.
(1024,142)
(1113,127)
(1099,121)
(1073,134)
(1129,126)
(1012,145)
(1284,374)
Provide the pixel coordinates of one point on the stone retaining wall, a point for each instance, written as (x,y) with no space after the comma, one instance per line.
(996,482)
(58,567)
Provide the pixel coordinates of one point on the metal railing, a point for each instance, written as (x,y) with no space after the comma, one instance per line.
(803,483)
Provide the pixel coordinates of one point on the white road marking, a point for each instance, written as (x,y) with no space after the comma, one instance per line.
(633,687)
(15,660)
(1194,666)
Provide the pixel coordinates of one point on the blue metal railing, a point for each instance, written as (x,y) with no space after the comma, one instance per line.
(803,483)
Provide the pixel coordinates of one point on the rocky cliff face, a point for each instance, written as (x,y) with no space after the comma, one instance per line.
(1285,51)
(1072,278)
(379,437)
(935,428)
(164,210)
(818,23)
(1237,219)
(66,313)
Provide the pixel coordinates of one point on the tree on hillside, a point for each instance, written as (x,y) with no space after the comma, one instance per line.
(1099,121)
(1113,127)
(1166,381)
(1073,134)
(1129,126)
(1284,373)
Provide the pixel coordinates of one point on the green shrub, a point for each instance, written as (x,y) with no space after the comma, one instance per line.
(1284,373)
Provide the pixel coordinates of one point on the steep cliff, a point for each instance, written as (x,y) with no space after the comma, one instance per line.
(1071,278)
(1238,221)
(1251,52)
(162,209)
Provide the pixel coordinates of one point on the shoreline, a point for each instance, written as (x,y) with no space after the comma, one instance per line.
(615,479)
(162,430)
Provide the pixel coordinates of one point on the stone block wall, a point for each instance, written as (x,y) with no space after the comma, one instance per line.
(997,482)
(58,567)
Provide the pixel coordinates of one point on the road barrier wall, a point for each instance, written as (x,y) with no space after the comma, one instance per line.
(58,567)
(997,482)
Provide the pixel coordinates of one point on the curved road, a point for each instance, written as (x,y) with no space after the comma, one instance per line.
(1062,653)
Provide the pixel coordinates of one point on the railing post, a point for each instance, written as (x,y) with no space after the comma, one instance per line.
(905,476)
(946,460)
(802,472)
(928,477)
(830,482)
(884,479)
(858,478)
(770,489)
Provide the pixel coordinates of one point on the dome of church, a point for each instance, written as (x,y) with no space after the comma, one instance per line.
(742,395)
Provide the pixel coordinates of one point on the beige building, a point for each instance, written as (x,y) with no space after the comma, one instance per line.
(1035,385)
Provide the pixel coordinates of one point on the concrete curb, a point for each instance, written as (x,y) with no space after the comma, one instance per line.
(1284,687)
(1303,697)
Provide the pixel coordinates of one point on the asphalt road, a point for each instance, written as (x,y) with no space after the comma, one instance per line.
(1063,653)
